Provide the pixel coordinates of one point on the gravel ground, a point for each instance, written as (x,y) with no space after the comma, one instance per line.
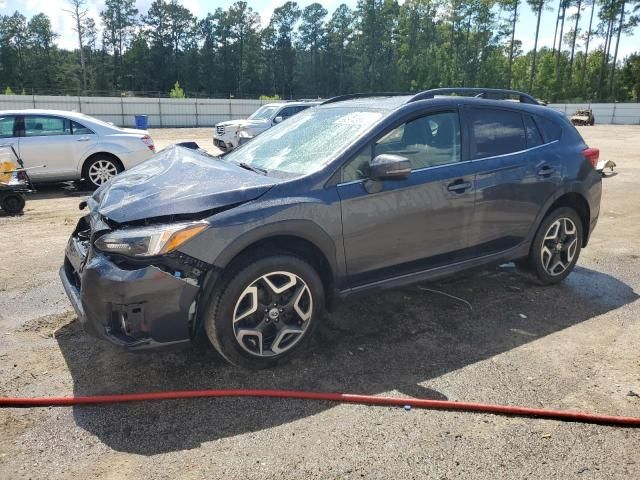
(572,346)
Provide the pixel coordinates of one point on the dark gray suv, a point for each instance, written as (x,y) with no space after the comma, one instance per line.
(362,192)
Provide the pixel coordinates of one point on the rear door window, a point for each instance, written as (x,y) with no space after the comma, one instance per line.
(45,126)
(6,126)
(495,132)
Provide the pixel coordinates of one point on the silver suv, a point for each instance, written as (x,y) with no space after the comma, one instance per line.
(228,135)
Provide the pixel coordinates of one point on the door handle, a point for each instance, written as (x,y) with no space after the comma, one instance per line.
(83,139)
(459,186)
(545,170)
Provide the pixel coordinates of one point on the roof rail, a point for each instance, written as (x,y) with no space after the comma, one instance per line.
(351,96)
(479,93)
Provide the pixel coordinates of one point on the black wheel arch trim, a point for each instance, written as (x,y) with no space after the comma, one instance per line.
(576,187)
(306,230)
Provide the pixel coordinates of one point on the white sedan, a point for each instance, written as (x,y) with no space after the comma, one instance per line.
(72,145)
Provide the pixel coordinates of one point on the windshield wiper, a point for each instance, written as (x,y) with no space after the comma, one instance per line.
(252,168)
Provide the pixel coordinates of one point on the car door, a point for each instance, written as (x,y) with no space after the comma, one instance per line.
(48,140)
(409,225)
(512,179)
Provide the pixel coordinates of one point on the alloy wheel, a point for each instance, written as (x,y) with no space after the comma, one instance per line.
(559,246)
(272,314)
(102,171)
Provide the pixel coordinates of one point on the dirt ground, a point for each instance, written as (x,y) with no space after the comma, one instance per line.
(572,346)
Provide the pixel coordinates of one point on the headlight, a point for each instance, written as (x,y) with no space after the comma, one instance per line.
(149,241)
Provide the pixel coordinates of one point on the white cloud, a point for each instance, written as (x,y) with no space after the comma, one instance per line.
(195,7)
(61,21)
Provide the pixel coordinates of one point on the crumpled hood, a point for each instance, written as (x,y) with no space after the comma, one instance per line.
(177,181)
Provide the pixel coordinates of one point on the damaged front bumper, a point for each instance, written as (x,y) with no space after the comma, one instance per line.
(134,306)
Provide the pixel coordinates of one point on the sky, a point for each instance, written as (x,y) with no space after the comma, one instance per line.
(525,30)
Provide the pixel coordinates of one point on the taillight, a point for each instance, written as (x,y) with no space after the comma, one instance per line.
(592,155)
(148,141)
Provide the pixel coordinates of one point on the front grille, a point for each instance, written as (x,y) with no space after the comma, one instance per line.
(220,130)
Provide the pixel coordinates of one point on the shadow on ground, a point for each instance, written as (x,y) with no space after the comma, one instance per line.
(59,190)
(376,344)
(51,191)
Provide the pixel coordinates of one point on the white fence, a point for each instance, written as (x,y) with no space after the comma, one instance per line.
(616,113)
(161,112)
(205,112)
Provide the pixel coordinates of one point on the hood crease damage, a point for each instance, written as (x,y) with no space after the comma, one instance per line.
(163,188)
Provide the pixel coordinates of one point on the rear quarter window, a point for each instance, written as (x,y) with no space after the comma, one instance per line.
(550,129)
(533,134)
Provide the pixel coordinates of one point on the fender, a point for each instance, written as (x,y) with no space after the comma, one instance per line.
(577,187)
(304,229)
(101,146)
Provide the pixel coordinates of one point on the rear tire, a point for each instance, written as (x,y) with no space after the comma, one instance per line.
(265,311)
(12,203)
(100,169)
(555,248)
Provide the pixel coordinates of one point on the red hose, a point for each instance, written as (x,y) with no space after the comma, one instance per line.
(331,397)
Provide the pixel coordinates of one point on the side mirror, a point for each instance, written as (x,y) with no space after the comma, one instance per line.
(278,119)
(389,167)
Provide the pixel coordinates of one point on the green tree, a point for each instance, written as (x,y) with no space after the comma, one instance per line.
(78,12)
(15,49)
(509,30)
(244,23)
(311,46)
(586,48)
(177,91)
(171,29)
(377,43)
(280,41)
(41,55)
(574,36)
(339,46)
(378,46)
(417,41)
(537,6)
(119,19)
(627,20)
(631,77)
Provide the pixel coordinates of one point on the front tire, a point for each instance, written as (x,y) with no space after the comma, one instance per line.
(266,311)
(555,248)
(100,169)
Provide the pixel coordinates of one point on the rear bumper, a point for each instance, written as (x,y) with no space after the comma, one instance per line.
(132,308)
